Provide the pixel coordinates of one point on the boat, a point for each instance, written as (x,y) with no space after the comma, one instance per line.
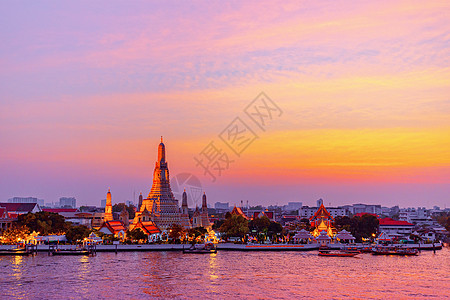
(71,252)
(20,250)
(201,248)
(357,248)
(338,253)
(15,251)
(88,250)
(394,250)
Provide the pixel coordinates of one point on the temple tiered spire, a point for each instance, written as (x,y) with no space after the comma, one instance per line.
(160,203)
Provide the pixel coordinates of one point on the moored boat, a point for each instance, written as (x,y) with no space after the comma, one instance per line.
(394,250)
(338,253)
(16,251)
(20,250)
(71,252)
(357,248)
(201,248)
(86,250)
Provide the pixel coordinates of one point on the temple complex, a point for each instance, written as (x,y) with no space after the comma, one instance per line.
(238,212)
(200,217)
(204,213)
(125,217)
(160,203)
(322,221)
(140,201)
(185,221)
(108,207)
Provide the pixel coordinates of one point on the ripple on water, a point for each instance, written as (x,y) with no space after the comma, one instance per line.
(263,275)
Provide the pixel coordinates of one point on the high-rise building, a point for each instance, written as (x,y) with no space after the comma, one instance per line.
(160,203)
(26,200)
(108,207)
(291,206)
(69,202)
(222,207)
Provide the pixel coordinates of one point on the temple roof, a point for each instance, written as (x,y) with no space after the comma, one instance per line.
(3,213)
(113,226)
(384,237)
(303,234)
(322,212)
(345,235)
(323,236)
(148,227)
(19,207)
(238,211)
(392,222)
(196,212)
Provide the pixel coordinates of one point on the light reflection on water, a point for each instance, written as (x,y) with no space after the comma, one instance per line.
(264,275)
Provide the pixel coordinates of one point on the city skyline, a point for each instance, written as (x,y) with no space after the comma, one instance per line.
(87,90)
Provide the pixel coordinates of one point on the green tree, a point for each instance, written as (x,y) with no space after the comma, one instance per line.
(274,228)
(130,208)
(360,227)
(259,224)
(368,225)
(444,220)
(14,233)
(236,226)
(217,224)
(75,233)
(176,232)
(44,222)
(305,224)
(138,235)
(194,233)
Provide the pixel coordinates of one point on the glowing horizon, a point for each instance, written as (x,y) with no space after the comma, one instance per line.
(86,91)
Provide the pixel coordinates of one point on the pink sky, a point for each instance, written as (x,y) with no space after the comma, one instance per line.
(87,89)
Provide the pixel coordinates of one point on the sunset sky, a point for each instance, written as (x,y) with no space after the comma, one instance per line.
(87,89)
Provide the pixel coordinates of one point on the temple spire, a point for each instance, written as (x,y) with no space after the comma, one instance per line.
(160,202)
(108,207)
(161,152)
(204,204)
(184,200)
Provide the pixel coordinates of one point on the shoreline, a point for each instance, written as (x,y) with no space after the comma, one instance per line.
(221,247)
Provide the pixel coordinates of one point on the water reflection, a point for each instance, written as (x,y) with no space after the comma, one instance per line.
(155,275)
(213,273)
(17,262)
(278,275)
(82,272)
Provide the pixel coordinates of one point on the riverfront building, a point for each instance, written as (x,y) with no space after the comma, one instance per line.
(322,221)
(307,212)
(395,228)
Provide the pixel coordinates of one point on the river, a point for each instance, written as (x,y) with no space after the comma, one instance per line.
(227,274)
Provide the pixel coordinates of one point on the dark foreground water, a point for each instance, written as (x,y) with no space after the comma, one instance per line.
(263,275)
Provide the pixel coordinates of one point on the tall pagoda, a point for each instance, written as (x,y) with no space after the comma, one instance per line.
(108,207)
(200,217)
(160,203)
(204,213)
(185,221)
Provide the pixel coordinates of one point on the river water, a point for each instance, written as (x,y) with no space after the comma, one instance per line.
(227,274)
